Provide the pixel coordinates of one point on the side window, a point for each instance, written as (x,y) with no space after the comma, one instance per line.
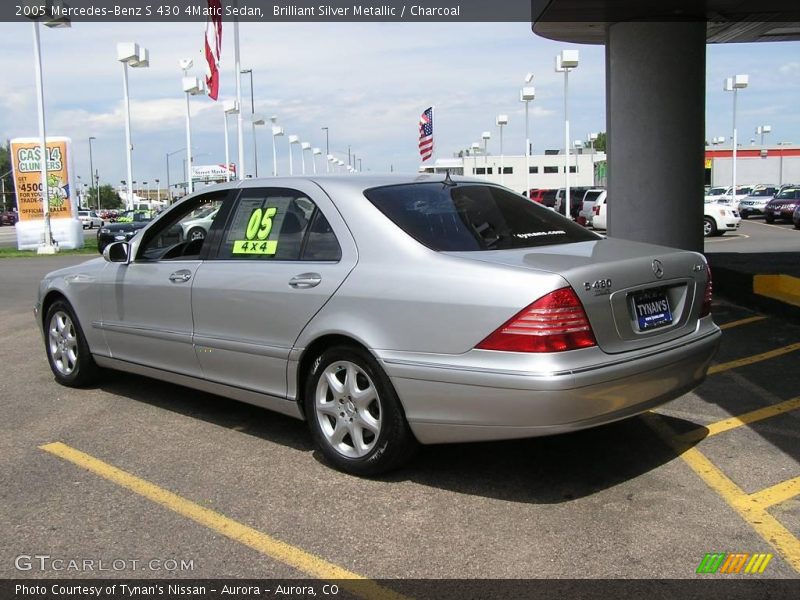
(181,233)
(321,243)
(267,225)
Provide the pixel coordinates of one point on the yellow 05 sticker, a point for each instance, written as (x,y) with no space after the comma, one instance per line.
(258,229)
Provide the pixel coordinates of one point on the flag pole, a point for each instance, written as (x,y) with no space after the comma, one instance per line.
(433,133)
(239,125)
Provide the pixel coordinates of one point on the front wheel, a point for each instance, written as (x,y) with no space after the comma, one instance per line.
(67,350)
(196,233)
(354,413)
(709,227)
(769,218)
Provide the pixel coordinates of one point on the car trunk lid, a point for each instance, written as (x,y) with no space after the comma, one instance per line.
(635,295)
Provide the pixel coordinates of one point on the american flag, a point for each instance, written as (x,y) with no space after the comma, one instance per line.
(426,134)
(213,47)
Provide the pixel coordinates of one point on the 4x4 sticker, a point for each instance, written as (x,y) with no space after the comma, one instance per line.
(258,229)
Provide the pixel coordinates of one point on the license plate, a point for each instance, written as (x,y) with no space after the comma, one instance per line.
(777,213)
(652,309)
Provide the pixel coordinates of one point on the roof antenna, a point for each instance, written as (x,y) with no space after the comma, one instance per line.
(448,182)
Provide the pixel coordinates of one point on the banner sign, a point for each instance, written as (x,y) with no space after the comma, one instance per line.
(215,173)
(26,163)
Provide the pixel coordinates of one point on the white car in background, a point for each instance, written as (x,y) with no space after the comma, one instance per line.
(197,228)
(718,218)
(717,193)
(742,192)
(586,213)
(600,210)
(89,219)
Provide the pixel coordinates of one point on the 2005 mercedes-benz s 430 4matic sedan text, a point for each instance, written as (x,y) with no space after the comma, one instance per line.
(389,311)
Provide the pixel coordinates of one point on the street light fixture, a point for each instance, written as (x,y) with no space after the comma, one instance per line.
(526,94)
(277,131)
(168,154)
(130,55)
(475,147)
(502,120)
(566,60)
(192,86)
(734,84)
(229,108)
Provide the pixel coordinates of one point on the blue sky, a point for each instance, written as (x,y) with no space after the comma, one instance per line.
(367,82)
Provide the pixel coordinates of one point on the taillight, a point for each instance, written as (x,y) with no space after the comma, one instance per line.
(554,323)
(706,308)
(596,210)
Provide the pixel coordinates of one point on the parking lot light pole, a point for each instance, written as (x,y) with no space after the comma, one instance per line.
(502,120)
(192,86)
(229,108)
(734,84)
(91,171)
(566,60)
(303,147)
(252,121)
(314,153)
(526,94)
(293,139)
(487,135)
(763,130)
(276,132)
(130,55)
(327,150)
(47,246)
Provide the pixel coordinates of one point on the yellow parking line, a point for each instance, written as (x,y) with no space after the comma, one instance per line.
(265,544)
(744,321)
(781,492)
(767,526)
(749,360)
(743,419)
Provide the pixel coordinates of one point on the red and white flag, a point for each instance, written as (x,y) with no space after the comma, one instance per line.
(213,47)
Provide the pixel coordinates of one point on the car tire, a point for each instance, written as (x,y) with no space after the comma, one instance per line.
(367,435)
(709,227)
(745,216)
(769,218)
(196,233)
(67,351)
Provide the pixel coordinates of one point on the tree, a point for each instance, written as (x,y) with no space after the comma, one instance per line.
(599,143)
(108,197)
(10,199)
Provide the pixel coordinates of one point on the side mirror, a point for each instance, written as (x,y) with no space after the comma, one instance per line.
(117,252)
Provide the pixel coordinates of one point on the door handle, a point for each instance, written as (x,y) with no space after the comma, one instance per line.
(305,280)
(181,276)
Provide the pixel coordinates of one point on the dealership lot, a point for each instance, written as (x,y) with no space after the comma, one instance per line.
(139,471)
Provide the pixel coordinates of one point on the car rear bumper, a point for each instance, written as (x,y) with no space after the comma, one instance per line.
(447,404)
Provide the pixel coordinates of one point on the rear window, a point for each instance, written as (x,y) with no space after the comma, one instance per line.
(468,217)
(592,196)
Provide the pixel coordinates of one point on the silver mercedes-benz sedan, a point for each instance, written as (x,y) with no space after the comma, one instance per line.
(389,311)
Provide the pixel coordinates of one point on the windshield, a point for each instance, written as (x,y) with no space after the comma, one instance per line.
(467,217)
(716,191)
(787,194)
(763,192)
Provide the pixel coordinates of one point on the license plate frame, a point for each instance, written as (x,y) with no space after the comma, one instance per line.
(651,309)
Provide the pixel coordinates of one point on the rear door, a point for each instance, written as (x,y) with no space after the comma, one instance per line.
(282,254)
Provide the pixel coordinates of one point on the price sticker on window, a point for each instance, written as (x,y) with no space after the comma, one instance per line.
(258,229)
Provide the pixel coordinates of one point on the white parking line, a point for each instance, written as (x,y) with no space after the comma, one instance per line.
(728,238)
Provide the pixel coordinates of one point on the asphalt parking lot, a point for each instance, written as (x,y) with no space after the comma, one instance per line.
(139,471)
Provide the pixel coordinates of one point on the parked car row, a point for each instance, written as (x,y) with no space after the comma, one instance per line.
(8,217)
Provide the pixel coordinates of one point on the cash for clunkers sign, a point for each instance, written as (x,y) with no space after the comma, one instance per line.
(26,161)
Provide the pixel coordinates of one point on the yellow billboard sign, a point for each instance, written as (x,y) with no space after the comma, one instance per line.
(708,163)
(26,162)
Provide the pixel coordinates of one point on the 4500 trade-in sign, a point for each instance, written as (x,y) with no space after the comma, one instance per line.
(258,229)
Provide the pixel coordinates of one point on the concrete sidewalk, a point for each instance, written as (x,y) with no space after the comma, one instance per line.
(768,282)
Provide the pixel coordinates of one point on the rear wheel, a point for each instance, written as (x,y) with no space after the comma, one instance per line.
(354,413)
(196,233)
(709,227)
(67,350)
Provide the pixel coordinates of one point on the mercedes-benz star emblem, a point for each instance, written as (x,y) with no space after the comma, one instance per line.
(658,268)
